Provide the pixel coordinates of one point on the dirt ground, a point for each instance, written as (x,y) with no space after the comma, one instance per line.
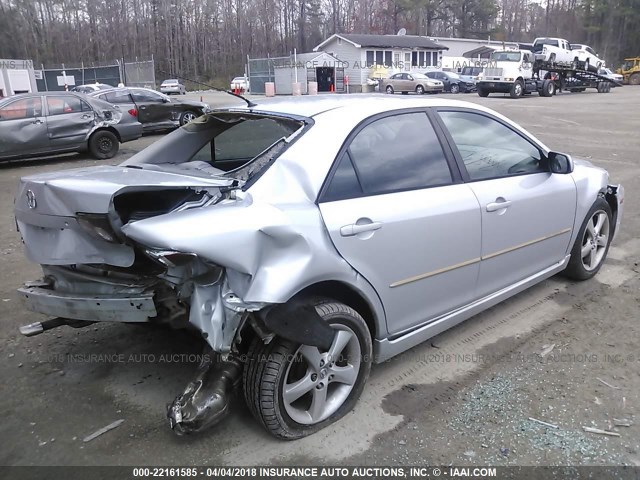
(563,353)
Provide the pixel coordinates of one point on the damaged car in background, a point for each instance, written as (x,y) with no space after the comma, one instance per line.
(304,240)
(47,123)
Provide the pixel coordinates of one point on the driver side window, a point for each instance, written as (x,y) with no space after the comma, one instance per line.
(489,149)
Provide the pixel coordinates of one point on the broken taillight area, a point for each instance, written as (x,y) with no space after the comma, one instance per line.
(97,225)
(133,112)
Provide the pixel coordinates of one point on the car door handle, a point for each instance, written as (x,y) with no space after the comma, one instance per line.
(86,115)
(498,205)
(355,229)
(37,121)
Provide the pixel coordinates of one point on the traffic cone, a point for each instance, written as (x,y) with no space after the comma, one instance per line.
(331,89)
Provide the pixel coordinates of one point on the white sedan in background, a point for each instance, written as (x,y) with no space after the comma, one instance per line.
(172,86)
(240,83)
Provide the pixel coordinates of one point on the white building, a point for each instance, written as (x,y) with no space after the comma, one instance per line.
(303,68)
(17,76)
(362,53)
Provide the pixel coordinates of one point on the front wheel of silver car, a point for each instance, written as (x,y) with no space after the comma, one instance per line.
(592,243)
(295,390)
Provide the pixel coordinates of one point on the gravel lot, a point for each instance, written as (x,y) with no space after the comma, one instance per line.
(463,398)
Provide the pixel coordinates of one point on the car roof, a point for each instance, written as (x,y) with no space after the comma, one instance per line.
(121,89)
(311,106)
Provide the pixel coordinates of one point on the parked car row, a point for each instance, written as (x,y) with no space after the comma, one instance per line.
(429,82)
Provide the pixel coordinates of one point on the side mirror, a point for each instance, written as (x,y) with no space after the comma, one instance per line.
(560,163)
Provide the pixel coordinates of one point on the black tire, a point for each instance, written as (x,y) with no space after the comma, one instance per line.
(517,89)
(586,65)
(482,92)
(576,269)
(455,88)
(552,58)
(634,79)
(420,90)
(104,144)
(574,64)
(548,88)
(267,367)
(188,116)
(389,89)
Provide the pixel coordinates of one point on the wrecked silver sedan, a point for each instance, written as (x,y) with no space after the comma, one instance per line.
(306,239)
(50,123)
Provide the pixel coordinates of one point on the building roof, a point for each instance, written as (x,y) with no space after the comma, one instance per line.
(385,41)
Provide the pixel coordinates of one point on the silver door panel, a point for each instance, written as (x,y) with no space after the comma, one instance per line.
(527,222)
(419,249)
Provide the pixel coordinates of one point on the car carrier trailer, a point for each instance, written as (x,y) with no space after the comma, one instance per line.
(517,73)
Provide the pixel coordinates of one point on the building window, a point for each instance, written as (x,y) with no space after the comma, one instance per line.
(414,59)
(421,59)
(379,57)
(370,54)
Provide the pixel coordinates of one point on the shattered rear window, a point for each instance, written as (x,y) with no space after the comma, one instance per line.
(238,145)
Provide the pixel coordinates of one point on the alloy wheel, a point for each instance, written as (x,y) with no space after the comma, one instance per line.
(316,383)
(595,240)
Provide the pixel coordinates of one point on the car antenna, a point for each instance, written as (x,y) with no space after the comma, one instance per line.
(249,102)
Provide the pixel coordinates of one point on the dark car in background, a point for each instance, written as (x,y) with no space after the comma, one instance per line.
(35,124)
(155,111)
(452,82)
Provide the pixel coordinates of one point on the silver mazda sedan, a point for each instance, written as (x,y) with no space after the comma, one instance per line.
(305,239)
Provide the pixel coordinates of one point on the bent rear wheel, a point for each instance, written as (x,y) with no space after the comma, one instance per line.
(389,89)
(295,390)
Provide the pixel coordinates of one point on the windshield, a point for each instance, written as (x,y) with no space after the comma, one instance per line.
(169,82)
(505,56)
(471,70)
(238,79)
(229,144)
(419,75)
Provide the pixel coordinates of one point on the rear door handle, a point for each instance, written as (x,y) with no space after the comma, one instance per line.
(498,205)
(37,121)
(86,115)
(355,229)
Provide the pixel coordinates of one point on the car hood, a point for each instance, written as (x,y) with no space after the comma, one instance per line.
(91,189)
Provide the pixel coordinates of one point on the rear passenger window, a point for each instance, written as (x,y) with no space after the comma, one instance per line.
(117,97)
(344,183)
(66,104)
(400,152)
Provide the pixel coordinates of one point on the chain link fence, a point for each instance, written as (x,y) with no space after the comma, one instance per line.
(132,74)
(262,70)
(140,74)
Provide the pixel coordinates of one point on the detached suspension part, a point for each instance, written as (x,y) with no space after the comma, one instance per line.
(205,400)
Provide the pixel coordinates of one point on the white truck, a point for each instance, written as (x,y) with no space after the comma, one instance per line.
(511,71)
(518,72)
(555,51)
